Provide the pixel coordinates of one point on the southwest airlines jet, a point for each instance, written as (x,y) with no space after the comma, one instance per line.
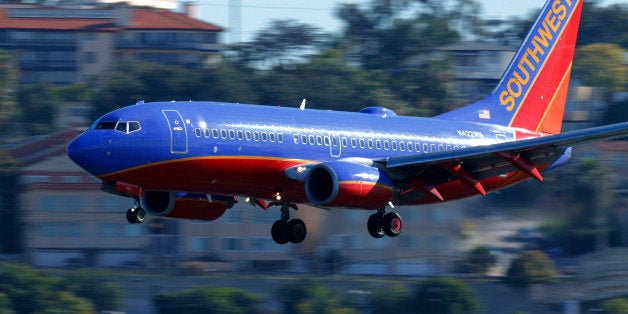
(190,159)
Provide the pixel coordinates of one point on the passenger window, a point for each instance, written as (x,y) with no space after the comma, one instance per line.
(134,126)
(362,143)
(354,143)
(409,146)
(448,147)
(247,135)
(232,134)
(206,132)
(386,145)
(441,148)
(344,142)
(215,133)
(256,136)
(402,146)
(197,131)
(326,140)
(296,139)
(240,135)
(303,139)
(425,148)
(121,126)
(319,140)
(280,137)
(370,144)
(272,137)
(417,147)
(223,133)
(311,139)
(432,147)
(264,136)
(394,145)
(378,144)
(335,141)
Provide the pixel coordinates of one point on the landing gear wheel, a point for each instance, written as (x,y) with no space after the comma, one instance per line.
(392,224)
(277,232)
(375,226)
(135,215)
(295,230)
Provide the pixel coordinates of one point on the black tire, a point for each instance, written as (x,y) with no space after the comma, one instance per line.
(375,226)
(130,216)
(277,232)
(140,215)
(295,230)
(393,224)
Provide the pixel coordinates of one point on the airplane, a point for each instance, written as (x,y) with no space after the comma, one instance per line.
(191,159)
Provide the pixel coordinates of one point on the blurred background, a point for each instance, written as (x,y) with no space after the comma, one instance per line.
(65,246)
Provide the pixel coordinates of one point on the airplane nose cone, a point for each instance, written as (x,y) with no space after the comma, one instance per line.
(83,150)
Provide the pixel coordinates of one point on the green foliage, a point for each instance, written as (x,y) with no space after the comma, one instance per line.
(8,83)
(478,261)
(603,24)
(390,299)
(615,306)
(308,295)
(601,65)
(531,267)
(207,300)
(588,200)
(30,291)
(444,295)
(96,286)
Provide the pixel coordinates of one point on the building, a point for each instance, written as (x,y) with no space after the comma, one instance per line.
(62,45)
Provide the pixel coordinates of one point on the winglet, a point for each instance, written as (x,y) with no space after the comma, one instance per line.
(302,107)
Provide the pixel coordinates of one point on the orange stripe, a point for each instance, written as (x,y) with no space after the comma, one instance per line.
(556,108)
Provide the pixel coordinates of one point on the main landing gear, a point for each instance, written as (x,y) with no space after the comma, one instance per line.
(287,230)
(382,223)
(135,214)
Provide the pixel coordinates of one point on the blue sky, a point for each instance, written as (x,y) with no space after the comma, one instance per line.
(256,14)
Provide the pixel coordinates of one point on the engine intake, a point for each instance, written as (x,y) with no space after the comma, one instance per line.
(346,184)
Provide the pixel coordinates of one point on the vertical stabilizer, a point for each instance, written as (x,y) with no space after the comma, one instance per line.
(532,92)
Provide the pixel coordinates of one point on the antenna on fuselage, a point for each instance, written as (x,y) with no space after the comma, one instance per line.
(302,107)
(139,102)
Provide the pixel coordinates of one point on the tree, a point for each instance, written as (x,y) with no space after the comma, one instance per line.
(308,295)
(478,261)
(615,306)
(531,267)
(283,39)
(444,295)
(8,83)
(390,299)
(96,286)
(31,291)
(207,300)
(601,65)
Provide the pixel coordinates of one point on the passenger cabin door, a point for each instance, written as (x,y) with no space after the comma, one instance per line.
(178,132)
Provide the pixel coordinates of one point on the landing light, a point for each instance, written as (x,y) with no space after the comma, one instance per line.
(301,169)
(278,197)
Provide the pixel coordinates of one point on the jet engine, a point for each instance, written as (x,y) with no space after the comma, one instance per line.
(186,206)
(346,184)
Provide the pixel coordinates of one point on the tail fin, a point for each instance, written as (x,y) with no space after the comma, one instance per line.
(532,92)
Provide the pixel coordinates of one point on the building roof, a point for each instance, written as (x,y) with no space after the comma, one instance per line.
(109,20)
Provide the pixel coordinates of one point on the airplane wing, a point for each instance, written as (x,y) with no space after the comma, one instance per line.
(423,171)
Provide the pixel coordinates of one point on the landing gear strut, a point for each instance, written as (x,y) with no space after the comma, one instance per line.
(382,223)
(287,230)
(135,214)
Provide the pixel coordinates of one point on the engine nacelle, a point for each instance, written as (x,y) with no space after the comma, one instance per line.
(186,206)
(346,184)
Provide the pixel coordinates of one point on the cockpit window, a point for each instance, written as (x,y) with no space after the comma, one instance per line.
(105,125)
(120,126)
